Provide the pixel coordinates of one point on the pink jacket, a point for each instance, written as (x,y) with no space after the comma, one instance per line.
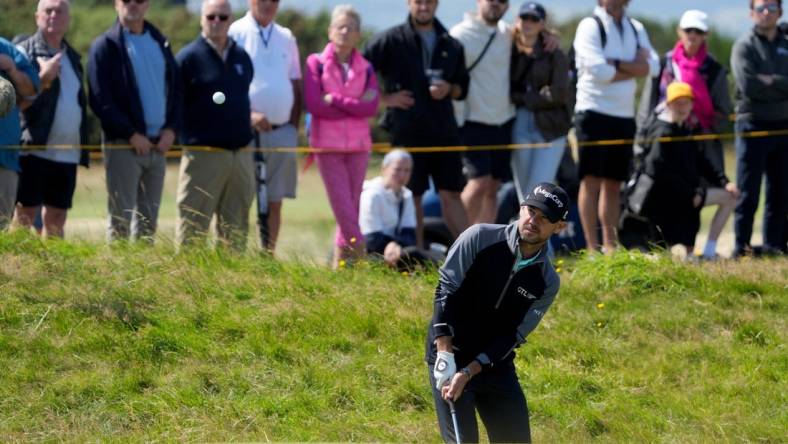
(344,124)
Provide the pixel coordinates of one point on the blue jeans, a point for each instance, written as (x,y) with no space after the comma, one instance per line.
(754,157)
(531,166)
(497,396)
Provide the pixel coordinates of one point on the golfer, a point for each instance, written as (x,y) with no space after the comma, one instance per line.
(494,288)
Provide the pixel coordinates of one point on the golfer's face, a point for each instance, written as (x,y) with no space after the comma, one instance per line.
(397,174)
(53,16)
(422,11)
(131,10)
(535,227)
(215,20)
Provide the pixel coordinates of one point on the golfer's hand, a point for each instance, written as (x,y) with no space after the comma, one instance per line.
(140,143)
(49,69)
(392,253)
(444,369)
(453,390)
(697,201)
(766,79)
(732,189)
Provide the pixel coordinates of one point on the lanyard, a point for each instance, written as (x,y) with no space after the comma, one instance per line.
(265,39)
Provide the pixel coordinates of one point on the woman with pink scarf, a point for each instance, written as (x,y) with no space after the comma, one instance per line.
(341,93)
(689,62)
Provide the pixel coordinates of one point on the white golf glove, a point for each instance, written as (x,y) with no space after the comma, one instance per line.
(444,369)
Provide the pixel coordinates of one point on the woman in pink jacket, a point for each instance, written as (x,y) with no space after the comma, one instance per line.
(341,93)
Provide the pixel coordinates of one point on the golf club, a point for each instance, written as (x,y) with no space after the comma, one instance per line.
(454,420)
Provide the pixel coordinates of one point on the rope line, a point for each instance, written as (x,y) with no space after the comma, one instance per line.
(176,150)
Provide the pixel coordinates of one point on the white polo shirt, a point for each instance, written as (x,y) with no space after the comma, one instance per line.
(595,89)
(488,95)
(275,58)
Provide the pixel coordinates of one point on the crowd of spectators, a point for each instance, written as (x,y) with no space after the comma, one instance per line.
(482,83)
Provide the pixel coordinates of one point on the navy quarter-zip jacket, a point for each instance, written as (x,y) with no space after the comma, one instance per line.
(480,301)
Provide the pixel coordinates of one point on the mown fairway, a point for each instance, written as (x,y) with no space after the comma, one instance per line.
(131,343)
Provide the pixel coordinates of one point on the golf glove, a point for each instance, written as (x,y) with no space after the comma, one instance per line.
(444,369)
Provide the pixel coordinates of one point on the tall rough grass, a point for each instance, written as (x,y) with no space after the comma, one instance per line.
(137,343)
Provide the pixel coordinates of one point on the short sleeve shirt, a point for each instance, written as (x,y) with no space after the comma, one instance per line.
(276,62)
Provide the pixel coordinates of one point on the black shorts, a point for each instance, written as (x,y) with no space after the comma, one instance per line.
(46,182)
(445,168)
(495,163)
(608,162)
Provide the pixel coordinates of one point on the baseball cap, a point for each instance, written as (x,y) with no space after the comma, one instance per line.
(551,199)
(694,19)
(677,90)
(534,9)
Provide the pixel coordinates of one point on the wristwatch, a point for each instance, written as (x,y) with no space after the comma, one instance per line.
(467,372)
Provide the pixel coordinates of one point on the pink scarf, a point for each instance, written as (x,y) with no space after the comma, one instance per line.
(689,72)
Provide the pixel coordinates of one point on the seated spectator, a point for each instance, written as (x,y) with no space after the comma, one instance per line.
(16,69)
(341,93)
(676,167)
(540,90)
(388,215)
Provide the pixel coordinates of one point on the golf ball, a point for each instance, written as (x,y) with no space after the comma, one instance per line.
(218,97)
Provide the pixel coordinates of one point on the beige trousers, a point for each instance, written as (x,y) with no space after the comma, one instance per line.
(217,183)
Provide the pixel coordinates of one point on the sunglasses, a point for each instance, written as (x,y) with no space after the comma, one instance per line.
(220,17)
(695,31)
(530,18)
(139,2)
(771,7)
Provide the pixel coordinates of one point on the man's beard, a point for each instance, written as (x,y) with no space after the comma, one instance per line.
(492,18)
(424,22)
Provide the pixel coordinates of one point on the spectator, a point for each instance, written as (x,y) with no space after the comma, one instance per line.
(134,91)
(275,96)
(342,94)
(221,181)
(690,62)
(57,120)
(17,70)
(486,114)
(678,194)
(423,69)
(760,66)
(388,215)
(540,89)
(611,51)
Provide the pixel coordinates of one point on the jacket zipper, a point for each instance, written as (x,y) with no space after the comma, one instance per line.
(506,287)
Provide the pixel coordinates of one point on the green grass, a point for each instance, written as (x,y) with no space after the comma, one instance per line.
(135,343)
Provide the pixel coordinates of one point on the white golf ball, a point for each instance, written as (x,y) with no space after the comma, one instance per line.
(218,97)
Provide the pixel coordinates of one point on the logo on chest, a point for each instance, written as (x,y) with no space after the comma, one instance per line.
(524,293)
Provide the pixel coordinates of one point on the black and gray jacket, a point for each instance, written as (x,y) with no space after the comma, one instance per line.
(487,308)
(754,54)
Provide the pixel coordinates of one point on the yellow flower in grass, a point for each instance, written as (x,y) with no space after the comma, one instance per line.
(600,305)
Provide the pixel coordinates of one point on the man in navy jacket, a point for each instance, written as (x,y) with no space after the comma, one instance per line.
(134,91)
(216,74)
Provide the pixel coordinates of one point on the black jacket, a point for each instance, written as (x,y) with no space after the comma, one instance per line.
(114,96)
(38,118)
(482,303)
(397,56)
(676,167)
(203,72)
(753,54)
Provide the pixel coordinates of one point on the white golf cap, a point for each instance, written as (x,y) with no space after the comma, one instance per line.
(694,19)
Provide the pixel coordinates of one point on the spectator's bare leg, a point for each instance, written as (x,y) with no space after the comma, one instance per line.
(587,203)
(24,216)
(609,211)
(274,222)
(54,221)
(725,202)
(419,221)
(480,199)
(453,212)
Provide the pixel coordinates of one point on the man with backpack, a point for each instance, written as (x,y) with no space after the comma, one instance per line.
(611,51)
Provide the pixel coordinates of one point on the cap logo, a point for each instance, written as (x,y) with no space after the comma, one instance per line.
(549,195)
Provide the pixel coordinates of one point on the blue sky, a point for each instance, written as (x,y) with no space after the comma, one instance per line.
(728,16)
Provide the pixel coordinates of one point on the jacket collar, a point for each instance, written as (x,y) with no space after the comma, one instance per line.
(116,33)
(513,241)
(329,55)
